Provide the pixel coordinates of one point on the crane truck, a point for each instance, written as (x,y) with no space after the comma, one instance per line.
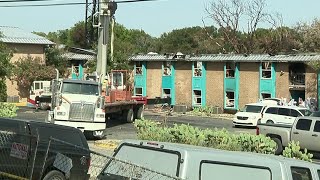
(85,105)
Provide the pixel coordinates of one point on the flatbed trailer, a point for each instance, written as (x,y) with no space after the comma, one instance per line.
(127,111)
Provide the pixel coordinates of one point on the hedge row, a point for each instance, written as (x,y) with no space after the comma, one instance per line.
(8,110)
(213,138)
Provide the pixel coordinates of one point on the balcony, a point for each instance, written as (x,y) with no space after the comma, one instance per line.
(297,81)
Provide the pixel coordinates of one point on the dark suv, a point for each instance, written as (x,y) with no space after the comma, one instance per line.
(43,150)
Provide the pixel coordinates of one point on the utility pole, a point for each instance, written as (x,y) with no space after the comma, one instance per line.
(106,10)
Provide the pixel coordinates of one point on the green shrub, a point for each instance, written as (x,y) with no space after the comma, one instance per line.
(213,138)
(3,90)
(8,110)
(294,151)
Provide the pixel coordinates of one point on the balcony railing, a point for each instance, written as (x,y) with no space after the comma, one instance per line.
(297,79)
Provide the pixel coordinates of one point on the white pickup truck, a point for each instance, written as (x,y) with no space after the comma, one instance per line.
(305,129)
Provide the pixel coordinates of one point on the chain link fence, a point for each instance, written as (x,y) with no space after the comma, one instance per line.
(17,152)
(100,166)
(24,157)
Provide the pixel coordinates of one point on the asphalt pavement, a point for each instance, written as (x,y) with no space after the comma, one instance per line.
(119,130)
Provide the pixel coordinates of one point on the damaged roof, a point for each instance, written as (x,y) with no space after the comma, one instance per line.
(10,34)
(228,57)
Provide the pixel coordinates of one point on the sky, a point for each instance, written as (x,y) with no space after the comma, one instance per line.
(154,18)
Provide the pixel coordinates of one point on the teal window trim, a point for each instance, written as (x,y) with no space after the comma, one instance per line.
(162,93)
(135,91)
(235,81)
(194,72)
(267,85)
(136,68)
(170,68)
(193,98)
(234,70)
(234,99)
(271,70)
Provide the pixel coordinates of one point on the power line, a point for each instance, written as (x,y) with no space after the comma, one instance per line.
(60,4)
(18,1)
(39,5)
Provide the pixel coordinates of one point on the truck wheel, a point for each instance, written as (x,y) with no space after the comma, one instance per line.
(139,113)
(43,106)
(270,122)
(54,175)
(279,147)
(129,116)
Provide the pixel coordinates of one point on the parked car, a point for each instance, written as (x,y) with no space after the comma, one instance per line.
(18,151)
(194,163)
(306,130)
(249,115)
(283,114)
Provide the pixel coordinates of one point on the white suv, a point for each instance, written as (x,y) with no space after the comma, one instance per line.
(249,116)
(283,114)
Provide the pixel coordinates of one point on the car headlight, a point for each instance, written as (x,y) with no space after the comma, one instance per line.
(61,113)
(99,115)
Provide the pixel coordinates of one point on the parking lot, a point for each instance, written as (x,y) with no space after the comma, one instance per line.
(118,130)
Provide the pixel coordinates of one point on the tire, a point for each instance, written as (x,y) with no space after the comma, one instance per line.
(54,175)
(270,122)
(128,116)
(43,106)
(139,113)
(279,147)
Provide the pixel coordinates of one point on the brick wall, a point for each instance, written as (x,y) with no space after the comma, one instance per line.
(249,83)
(154,79)
(311,83)
(282,80)
(183,83)
(20,51)
(215,77)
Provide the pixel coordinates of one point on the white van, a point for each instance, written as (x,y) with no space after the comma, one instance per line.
(249,115)
(283,114)
(178,161)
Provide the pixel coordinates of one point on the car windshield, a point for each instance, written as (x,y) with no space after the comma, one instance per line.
(252,108)
(79,88)
(306,112)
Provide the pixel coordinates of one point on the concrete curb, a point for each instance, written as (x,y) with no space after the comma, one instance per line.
(110,144)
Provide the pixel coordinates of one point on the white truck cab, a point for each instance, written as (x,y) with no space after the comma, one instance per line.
(79,104)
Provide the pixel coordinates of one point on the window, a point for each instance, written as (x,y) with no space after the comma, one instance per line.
(299,173)
(295,113)
(138,91)
(197,69)
(138,68)
(230,99)
(252,108)
(197,100)
(284,111)
(316,126)
(230,69)
(265,95)
(217,170)
(272,110)
(166,93)
(266,70)
(304,124)
(167,68)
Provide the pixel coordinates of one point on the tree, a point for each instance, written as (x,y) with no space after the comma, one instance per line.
(310,36)
(228,15)
(5,70)
(29,69)
(54,58)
